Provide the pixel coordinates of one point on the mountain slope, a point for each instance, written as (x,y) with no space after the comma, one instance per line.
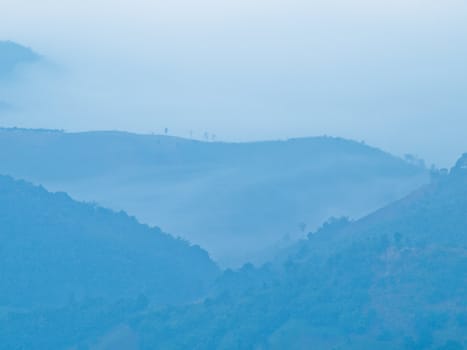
(240,201)
(387,281)
(396,279)
(54,249)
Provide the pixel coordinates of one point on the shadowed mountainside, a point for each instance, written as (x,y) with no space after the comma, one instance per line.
(54,249)
(396,279)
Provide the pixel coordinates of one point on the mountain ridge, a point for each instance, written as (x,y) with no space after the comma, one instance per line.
(275,186)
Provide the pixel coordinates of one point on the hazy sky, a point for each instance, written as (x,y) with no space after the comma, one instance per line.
(392,73)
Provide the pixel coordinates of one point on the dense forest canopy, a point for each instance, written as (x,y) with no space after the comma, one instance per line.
(55,249)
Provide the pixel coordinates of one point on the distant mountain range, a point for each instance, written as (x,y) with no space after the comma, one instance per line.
(54,250)
(12,56)
(240,201)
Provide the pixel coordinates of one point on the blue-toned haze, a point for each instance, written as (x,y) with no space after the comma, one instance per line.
(391,73)
(117,118)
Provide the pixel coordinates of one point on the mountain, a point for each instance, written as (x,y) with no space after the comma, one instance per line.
(240,201)
(396,279)
(12,55)
(54,249)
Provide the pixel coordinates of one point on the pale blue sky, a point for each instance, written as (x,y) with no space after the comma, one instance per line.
(392,73)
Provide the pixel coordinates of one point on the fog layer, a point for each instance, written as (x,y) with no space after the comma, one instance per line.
(248,70)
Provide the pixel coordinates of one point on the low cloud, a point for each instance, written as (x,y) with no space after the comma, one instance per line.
(246,71)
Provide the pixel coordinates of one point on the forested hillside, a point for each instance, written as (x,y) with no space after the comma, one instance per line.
(396,279)
(55,250)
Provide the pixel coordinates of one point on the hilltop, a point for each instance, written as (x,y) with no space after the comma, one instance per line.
(240,201)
